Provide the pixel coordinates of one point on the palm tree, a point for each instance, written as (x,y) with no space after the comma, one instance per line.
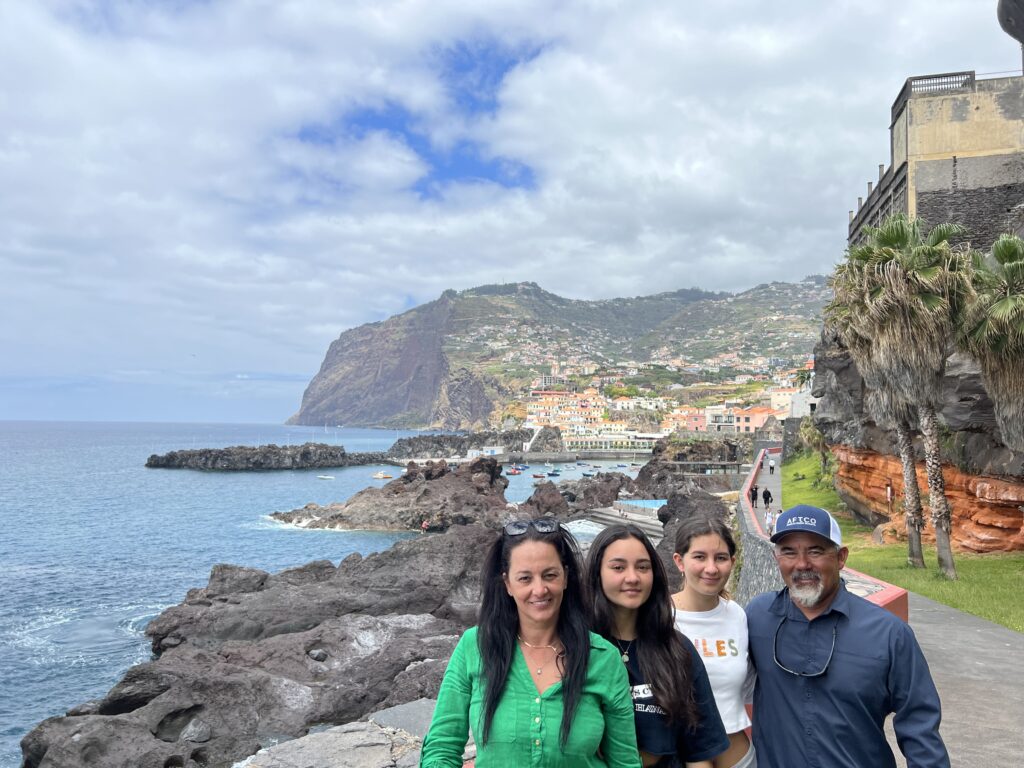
(911,291)
(813,440)
(804,377)
(885,408)
(896,416)
(993,332)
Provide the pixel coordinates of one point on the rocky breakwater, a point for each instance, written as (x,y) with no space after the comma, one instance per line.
(670,467)
(264,457)
(984,478)
(446,446)
(432,497)
(256,658)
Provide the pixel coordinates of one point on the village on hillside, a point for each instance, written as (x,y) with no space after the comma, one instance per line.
(623,409)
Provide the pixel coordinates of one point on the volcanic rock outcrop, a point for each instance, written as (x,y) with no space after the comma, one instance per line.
(444,446)
(984,478)
(424,498)
(254,658)
(669,468)
(264,457)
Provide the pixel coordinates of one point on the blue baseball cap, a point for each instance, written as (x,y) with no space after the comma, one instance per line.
(804,517)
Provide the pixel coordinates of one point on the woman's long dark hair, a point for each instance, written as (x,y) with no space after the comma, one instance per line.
(704,525)
(665,655)
(499,624)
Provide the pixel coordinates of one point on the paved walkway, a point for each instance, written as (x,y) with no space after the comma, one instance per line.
(977,667)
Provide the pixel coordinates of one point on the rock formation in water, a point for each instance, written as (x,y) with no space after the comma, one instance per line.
(670,466)
(984,478)
(433,495)
(264,457)
(447,446)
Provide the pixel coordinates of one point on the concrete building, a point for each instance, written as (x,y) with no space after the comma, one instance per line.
(956,154)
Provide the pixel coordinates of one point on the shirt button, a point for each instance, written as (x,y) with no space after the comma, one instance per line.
(808,731)
(536,719)
(537,700)
(537,742)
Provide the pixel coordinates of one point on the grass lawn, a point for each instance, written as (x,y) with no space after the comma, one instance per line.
(990,586)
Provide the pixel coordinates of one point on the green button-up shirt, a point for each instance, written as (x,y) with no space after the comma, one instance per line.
(526,724)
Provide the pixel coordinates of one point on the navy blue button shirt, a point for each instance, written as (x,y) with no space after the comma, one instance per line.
(837,720)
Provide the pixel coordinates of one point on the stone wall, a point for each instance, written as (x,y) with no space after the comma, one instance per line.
(759,572)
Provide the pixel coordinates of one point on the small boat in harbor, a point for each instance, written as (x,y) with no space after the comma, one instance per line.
(382,475)
(325,477)
(541,475)
(554,473)
(588,474)
(513,471)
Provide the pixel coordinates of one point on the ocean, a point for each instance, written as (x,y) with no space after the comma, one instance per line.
(93,545)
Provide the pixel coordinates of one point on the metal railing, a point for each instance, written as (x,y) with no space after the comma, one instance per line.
(949,81)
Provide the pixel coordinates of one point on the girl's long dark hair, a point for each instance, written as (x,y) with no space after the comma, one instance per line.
(665,655)
(499,625)
(704,525)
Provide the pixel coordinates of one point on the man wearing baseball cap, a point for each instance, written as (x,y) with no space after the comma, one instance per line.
(831,666)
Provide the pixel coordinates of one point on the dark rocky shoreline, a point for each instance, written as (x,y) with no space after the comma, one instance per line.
(254,658)
(262,458)
(247,458)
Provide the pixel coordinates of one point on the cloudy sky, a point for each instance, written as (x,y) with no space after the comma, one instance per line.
(197,197)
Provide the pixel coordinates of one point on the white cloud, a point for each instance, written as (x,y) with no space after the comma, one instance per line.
(182,182)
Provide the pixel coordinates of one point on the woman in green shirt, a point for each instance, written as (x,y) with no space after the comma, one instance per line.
(532,683)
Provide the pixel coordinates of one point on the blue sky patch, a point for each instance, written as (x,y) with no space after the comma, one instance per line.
(463,162)
(473,71)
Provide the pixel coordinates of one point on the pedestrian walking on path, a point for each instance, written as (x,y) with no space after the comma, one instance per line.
(769,519)
(753,497)
(771,466)
(766,497)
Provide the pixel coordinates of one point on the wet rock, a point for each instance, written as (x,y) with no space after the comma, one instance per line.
(431,498)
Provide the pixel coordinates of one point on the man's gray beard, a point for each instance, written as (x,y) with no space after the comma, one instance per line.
(808,597)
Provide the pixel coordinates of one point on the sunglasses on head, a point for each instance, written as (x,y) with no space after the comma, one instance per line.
(540,525)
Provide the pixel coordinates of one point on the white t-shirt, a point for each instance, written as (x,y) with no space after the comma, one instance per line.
(720,637)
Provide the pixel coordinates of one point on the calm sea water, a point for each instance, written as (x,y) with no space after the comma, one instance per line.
(93,545)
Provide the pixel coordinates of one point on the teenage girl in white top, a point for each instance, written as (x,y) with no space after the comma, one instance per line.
(705,553)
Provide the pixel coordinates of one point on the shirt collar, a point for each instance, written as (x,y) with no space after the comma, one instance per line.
(783,604)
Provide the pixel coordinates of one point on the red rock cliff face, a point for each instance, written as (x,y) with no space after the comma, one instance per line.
(987,513)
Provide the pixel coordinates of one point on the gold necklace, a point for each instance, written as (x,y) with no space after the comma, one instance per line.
(625,651)
(557,653)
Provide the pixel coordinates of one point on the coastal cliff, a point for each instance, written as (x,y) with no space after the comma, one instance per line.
(984,478)
(456,362)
